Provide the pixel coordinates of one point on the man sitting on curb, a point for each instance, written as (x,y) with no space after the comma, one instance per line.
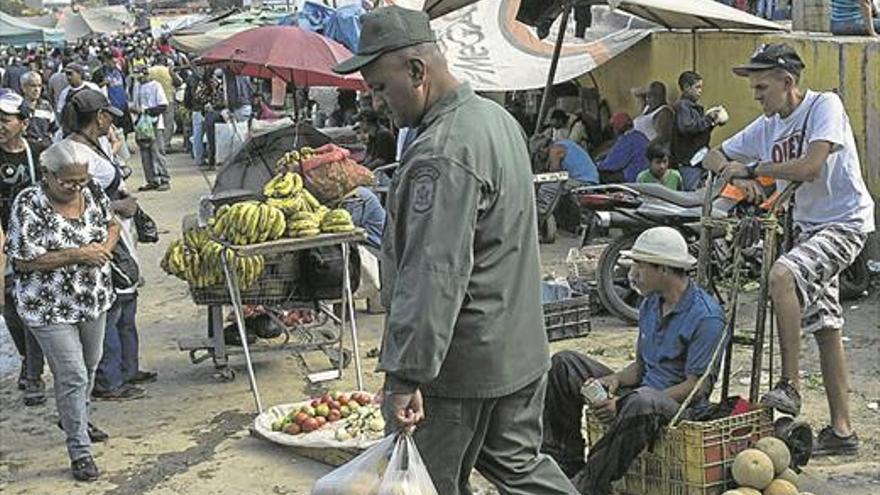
(805,136)
(680,326)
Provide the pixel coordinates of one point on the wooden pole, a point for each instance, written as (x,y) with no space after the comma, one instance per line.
(560,36)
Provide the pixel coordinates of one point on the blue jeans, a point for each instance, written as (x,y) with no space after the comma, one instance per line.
(119,363)
(691,177)
(198,137)
(211,119)
(73,352)
(24,340)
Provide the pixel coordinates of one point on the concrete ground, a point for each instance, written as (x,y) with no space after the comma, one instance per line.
(190,434)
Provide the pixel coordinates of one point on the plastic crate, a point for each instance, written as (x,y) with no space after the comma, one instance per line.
(694,458)
(567,319)
(276,286)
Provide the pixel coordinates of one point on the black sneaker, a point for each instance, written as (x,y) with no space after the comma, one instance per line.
(84,469)
(95,434)
(149,186)
(828,442)
(165,186)
(784,398)
(143,377)
(125,392)
(34,393)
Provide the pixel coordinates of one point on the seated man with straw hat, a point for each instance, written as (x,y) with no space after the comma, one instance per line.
(680,328)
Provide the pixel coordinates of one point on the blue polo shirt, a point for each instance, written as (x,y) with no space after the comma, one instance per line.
(682,342)
(577,162)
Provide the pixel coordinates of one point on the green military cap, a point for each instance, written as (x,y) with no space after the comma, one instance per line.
(384,30)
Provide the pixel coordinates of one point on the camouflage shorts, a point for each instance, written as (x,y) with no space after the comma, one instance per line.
(816,261)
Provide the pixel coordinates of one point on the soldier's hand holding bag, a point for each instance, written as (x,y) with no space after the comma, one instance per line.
(391,467)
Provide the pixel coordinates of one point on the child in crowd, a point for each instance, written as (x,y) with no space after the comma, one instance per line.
(658,170)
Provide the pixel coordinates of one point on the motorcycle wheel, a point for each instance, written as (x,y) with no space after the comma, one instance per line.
(614,290)
(548,230)
(856,279)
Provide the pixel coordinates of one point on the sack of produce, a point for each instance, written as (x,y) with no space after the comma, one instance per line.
(391,467)
(330,173)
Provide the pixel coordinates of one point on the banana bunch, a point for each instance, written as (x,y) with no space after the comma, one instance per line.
(304,224)
(196,238)
(283,185)
(174,261)
(202,267)
(293,158)
(336,222)
(248,222)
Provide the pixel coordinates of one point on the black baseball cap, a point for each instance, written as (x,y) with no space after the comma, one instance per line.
(89,100)
(385,30)
(772,56)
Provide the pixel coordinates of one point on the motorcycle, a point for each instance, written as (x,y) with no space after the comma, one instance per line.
(634,208)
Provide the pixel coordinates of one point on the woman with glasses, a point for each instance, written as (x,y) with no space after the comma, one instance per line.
(61,234)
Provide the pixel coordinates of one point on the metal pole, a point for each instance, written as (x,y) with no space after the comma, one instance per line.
(235,297)
(560,36)
(348,307)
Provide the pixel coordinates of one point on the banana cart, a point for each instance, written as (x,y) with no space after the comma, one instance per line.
(279,288)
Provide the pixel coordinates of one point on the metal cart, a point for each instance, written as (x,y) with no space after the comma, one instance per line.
(275,289)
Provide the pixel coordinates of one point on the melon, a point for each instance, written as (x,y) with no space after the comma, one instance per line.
(780,487)
(732,492)
(752,468)
(748,491)
(777,451)
(790,476)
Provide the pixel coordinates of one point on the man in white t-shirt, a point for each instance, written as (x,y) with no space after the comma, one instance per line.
(805,136)
(150,102)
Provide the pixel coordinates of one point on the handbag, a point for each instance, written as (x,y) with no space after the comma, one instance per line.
(147,231)
(124,270)
(144,131)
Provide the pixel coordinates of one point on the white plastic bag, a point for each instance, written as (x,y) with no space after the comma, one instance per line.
(406,473)
(391,467)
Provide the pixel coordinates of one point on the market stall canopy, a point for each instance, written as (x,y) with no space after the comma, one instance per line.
(486,46)
(671,14)
(289,53)
(203,35)
(95,21)
(18,32)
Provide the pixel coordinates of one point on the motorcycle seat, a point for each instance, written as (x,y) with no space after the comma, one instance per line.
(685,199)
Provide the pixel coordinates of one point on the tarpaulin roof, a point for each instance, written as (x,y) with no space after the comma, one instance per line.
(17,31)
(486,46)
(203,35)
(674,14)
(97,20)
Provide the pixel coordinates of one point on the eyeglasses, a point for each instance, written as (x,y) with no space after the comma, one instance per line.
(72,185)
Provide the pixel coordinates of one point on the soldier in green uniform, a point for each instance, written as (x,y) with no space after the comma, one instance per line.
(464,353)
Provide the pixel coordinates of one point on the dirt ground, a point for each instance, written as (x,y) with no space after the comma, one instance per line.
(191,433)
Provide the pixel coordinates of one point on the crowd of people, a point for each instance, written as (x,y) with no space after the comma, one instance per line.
(459,247)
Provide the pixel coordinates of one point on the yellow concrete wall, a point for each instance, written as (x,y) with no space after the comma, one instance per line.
(850,66)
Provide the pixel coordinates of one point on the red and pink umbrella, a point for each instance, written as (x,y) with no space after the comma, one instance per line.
(297,56)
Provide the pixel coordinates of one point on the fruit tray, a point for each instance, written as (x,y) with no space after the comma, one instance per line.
(324,437)
(694,458)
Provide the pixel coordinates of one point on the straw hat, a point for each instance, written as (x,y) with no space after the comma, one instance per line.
(661,246)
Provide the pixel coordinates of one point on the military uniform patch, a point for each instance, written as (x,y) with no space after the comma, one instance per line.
(422,189)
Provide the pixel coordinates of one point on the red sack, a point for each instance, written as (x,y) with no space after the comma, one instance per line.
(330,174)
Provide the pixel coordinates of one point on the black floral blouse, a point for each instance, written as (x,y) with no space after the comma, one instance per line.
(69,294)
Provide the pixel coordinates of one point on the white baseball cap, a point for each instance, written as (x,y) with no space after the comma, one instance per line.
(661,246)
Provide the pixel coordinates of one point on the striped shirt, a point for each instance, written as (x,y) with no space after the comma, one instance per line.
(846,11)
